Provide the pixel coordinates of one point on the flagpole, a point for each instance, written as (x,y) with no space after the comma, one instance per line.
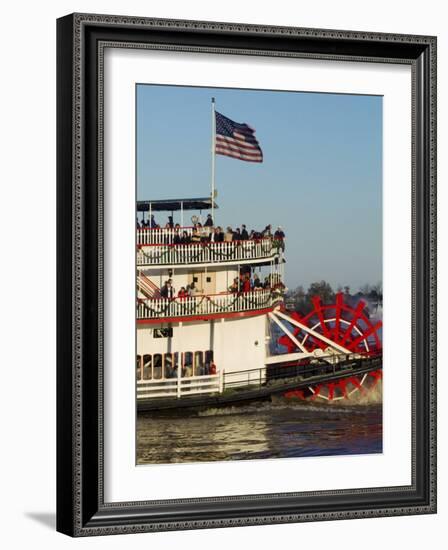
(213,159)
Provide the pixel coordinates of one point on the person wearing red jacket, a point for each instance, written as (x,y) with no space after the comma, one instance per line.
(246,283)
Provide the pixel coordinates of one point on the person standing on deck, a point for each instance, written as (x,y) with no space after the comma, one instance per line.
(219,235)
(167,290)
(246,282)
(228,237)
(196,237)
(257,283)
(193,291)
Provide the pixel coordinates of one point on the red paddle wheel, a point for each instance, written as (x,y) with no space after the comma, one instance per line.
(346,326)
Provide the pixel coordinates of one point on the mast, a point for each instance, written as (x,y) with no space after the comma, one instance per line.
(213,158)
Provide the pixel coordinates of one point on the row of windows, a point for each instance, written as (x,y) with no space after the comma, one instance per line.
(158,366)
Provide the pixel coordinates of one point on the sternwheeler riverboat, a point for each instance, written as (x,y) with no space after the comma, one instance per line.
(213,328)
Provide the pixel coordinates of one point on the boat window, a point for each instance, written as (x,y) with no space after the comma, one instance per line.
(147,367)
(169,371)
(198,363)
(163,332)
(187,364)
(158,366)
(139,367)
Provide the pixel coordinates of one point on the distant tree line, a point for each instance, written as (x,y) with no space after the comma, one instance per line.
(300,300)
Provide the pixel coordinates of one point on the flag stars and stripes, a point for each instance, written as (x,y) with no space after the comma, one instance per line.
(236,140)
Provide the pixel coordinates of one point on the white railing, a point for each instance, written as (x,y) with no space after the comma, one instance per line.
(165,235)
(177,387)
(229,302)
(208,252)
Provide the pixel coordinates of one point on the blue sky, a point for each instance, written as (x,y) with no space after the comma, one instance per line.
(321,178)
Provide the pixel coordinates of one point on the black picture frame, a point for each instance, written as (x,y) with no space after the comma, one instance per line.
(81,510)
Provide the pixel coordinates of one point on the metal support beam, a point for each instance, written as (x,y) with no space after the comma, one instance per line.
(288,332)
(313,332)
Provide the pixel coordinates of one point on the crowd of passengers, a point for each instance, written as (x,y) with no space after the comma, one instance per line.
(187,370)
(169,370)
(209,233)
(244,283)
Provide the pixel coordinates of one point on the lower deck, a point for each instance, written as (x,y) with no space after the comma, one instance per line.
(221,389)
(178,350)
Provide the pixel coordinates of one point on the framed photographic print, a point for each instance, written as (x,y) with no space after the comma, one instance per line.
(246,274)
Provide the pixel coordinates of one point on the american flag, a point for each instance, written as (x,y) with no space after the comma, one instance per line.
(236,140)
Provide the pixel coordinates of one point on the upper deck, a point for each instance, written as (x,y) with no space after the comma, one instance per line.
(161,247)
(176,244)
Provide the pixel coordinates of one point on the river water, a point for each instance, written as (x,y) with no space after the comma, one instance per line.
(263,430)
